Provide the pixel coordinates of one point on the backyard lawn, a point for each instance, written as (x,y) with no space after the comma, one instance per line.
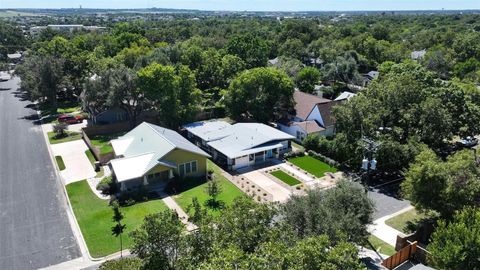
(60,163)
(95,218)
(284,177)
(71,136)
(92,159)
(406,222)
(312,165)
(197,189)
(381,246)
(103,142)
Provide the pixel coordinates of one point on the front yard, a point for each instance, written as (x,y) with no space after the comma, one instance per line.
(95,218)
(284,177)
(102,142)
(191,189)
(312,165)
(407,222)
(381,246)
(70,136)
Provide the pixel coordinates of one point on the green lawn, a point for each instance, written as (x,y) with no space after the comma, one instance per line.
(380,246)
(61,165)
(406,222)
(103,142)
(92,159)
(312,165)
(284,177)
(196,188)
(71,136)
(95,218)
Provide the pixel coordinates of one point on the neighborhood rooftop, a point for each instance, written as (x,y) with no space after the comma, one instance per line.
(305,102)
(144,147)
(239,139)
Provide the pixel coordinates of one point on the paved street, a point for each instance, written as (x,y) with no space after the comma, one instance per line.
(34,227)
(387,200)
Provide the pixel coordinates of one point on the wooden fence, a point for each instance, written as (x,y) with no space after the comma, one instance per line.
(401,256)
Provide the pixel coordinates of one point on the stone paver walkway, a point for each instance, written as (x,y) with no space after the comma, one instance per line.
(385,232)
(170,203)
(77,164)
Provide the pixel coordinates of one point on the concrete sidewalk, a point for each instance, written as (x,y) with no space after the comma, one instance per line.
(278,192)
(77,164)
(170,203)
(385,232)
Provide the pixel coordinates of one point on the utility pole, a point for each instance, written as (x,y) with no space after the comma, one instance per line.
(369,163)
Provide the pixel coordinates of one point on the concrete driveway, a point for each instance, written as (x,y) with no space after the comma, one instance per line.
(77,164)
(74,127)
(279,193)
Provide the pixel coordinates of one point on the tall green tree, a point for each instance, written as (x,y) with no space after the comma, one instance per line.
(455,245)
(253,50)
(255,90)
(307,78)
(159,240)
(443,186)
(341,213)
(171,91)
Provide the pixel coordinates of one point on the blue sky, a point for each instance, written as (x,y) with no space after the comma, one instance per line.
(259,5)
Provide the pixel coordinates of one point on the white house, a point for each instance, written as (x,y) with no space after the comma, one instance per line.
(239,145)
(313,115)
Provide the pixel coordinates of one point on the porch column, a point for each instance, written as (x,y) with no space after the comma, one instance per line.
(145,181)
(170,174)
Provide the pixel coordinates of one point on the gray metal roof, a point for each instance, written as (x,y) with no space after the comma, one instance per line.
(149,138)
(239,139)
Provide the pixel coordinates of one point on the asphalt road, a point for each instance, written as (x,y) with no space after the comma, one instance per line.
(387,200)
(34,227)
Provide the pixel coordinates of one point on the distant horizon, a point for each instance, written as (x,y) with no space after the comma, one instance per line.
(253,5)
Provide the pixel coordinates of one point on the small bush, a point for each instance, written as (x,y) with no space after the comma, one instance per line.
(106,186)
(60,130)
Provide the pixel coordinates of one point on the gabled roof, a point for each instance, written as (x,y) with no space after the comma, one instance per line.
(325,110)
(304,103)
(147,140)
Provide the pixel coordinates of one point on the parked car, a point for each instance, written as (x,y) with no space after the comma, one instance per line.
(4,77)
(469,141)
(70,119)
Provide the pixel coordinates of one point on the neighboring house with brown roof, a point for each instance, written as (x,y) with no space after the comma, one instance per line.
(313,115)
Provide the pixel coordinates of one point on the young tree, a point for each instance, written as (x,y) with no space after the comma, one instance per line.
(118,229)
(307,78)
(255,90)
(213,189)
(455,245)
(60,130)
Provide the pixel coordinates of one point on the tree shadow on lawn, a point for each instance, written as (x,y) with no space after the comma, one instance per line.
(215,204)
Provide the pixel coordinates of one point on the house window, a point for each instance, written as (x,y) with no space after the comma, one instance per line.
(194,166)
(181,169)
(251,157)
(187,168)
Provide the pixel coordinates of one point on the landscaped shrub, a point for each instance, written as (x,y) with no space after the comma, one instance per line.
(60,130)
(130,198)
(293,154)
(323,158)
(106,186)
